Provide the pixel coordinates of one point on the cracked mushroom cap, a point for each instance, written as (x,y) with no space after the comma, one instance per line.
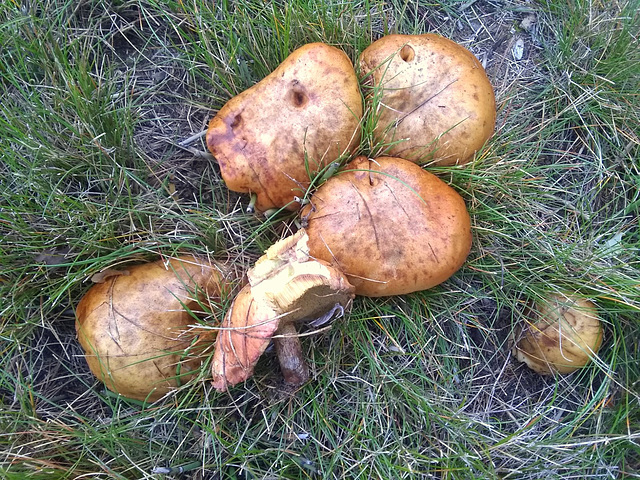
(435,99)
(390,226)
(285,287)
(563,333)
(272,137)
(136,330)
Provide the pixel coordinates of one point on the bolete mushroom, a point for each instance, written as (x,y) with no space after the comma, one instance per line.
(390,226)
(285,287)
(136,326)
(434,101)
(562,334)
(272,138)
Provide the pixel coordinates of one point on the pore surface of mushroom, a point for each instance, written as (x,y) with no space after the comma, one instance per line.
(434,100)
(272,137)
(563,333)
(135,327)
(285,287)
(389,225)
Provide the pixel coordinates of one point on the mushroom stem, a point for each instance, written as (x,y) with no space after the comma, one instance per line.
(252,203)
(289,351)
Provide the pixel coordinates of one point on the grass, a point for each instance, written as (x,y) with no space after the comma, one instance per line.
(96,102)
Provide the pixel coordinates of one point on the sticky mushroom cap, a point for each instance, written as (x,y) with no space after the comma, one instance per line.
(435,102)
(136,330)
(270,139)
(389,225)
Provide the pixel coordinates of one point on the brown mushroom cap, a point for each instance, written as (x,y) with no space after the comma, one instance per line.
(389,225)
(562,335)
(436,101)
(270,138)
(135,327)
(285,286)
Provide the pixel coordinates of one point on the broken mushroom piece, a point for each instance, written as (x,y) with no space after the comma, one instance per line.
(285,287)
(434,100)
(136,326)
(563,334)
(272,138)
(390,226)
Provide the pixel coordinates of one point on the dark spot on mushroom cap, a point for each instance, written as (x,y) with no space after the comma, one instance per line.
(236,122)
(407,53)
(548,341)
(298,99)
(297,95)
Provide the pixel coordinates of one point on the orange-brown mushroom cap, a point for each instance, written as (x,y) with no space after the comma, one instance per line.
(271,138)
(135,327)
(389,225)
(435,101)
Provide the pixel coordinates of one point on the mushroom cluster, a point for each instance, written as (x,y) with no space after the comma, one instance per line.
(385,225)
(373,227)
(377,226)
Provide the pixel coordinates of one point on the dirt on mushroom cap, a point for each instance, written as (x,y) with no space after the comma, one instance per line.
(389,225)
(270,138)
(435,99)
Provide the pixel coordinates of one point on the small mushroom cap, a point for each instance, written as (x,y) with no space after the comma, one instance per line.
(135,328)
(563,334)
(272,137)
(435,100)
(390,226)
(285,286)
